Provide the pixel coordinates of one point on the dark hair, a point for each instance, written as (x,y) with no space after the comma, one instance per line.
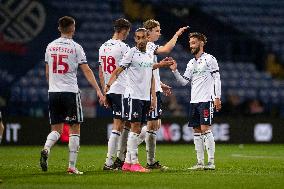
(121,24)
(150,24)
(199,36)
(64,23)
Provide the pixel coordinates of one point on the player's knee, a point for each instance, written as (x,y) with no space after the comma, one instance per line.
(135,127)
(117,125)
(1,125)
(127,124)
(159,123)
(58,130)
(151,125)
(74,129)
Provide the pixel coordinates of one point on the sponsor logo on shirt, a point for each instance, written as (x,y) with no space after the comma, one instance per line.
(198,71)
(145,64)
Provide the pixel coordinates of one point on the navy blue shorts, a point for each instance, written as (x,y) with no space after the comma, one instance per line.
(156,114)
(116,103)
(65,107)
(200,114)
(136,110)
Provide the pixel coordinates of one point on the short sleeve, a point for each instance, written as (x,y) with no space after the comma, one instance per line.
(152,47)
(81,56)
(125,48)
(46,56)
(100,61)
(213,65)
(127,58)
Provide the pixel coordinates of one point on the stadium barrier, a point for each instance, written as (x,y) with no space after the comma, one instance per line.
(238,130)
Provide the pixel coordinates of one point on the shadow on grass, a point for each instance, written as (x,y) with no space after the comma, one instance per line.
(31,175)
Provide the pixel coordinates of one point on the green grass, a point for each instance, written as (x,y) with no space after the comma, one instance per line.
(248,166)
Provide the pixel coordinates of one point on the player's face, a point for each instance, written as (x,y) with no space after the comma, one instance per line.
(141,40)
(154,33)
(194,45)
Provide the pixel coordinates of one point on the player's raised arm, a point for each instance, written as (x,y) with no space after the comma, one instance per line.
(165,63)
(92,80)
(167,48)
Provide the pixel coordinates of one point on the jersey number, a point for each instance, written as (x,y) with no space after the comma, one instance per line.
(109,64)
(59,60)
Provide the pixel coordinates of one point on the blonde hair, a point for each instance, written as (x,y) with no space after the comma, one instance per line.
(150,24)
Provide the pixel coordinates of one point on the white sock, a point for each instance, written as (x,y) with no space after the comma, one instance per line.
(0,139)
(199,147)
(112,147)
(210,145)
(142,135)
(132,148)
(122,144)
(150,140)
(52,138)
(74,145)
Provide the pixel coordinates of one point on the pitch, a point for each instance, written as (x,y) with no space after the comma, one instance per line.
(237,166)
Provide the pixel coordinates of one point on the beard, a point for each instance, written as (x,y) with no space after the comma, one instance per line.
(195,51)
(142,46)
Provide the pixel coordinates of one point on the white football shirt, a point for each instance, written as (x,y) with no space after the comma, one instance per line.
(63,57)
(204,76)
(139,73)
(110,56)
(151,47)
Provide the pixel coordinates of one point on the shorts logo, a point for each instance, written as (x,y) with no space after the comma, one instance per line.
(135,114)
(160,112)
(126,115)
(205,113)
(118,113)
(70,119)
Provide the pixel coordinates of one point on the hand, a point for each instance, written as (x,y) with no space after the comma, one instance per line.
(166,89)
(173,67)
(168,58)
(166,62)
(101,97)
(217,104)
(181,30)
(106,103)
